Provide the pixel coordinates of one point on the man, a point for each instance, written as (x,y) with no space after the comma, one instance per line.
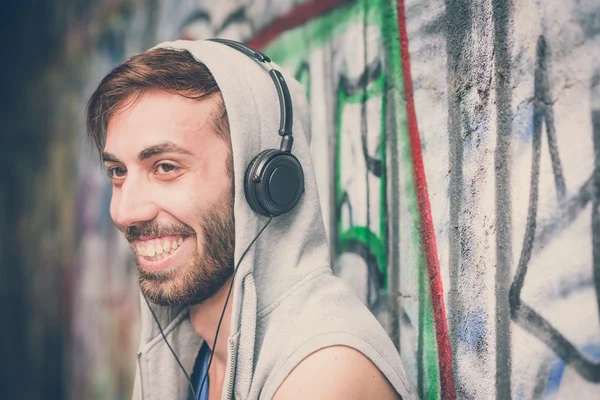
(177,127)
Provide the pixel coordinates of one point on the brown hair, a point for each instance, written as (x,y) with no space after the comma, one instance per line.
(168,70)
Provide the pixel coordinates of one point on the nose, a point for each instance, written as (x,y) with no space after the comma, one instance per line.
(132,204)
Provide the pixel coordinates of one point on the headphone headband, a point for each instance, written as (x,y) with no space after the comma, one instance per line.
(286,116)
(274,179)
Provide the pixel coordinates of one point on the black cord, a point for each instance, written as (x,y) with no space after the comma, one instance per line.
(220,319)
(170,348)
(227,300)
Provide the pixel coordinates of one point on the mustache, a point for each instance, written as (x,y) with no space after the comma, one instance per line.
(152,228)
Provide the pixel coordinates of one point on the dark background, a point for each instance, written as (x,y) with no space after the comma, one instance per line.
(32,348)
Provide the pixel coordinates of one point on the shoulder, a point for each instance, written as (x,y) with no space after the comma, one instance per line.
(336,372)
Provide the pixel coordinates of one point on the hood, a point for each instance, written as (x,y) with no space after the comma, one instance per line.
(294,244)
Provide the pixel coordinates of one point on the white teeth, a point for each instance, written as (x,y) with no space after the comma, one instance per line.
(150,251)
(158,250)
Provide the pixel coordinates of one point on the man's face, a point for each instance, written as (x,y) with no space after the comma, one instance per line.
(173,195)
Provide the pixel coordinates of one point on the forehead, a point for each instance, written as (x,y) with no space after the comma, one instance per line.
(158,117)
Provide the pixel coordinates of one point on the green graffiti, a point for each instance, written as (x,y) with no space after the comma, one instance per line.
(295,45)
(427,362)
(376,242)
(302,75)
(373,90)
(366,237)
(293,50)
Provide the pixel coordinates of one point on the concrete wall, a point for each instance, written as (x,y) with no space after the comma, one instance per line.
(458,150)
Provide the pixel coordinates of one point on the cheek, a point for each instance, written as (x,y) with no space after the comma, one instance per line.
(213,185)
(205,187)
(215,162)
(179,202)
(188,202)
(182,203)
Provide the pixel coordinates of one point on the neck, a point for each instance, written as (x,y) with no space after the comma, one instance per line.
(205,318)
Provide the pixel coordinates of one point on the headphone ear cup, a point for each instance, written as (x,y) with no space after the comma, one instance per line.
(250,185)
(274,182)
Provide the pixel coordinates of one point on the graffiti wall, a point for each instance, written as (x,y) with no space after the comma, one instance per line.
(458,150)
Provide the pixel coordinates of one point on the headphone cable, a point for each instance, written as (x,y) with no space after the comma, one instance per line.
(170,348)
(227,300)
(218,325)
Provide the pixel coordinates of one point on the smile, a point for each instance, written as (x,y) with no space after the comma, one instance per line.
(158,248)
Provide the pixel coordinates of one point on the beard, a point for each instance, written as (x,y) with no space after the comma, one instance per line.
(204,273)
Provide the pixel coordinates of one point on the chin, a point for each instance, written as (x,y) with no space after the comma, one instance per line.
(179,287)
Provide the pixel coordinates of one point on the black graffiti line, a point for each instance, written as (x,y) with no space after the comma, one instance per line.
(538,326)
(359,85)
(345,200)
(374,276)
(301,74)
(392,103)
(196,16)
(559,179)
(236,16)
(521,313)
(502,12)
(363,134)
(596,205)
(528,240)
(565,214)
(303,68)
(373,163)
(352,86)
(543,103)
(541,380)
(371,73)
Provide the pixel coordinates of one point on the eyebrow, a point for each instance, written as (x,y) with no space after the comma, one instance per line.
(150,151)
(108,157)
(164,147)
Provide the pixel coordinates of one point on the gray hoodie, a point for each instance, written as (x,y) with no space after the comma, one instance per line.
(286,303)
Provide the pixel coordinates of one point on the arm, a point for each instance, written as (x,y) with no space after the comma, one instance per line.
(336,372)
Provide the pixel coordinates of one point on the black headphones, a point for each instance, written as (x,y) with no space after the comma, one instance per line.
(274,179)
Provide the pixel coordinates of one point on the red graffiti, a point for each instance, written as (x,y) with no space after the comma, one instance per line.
(297,16)
(426,222)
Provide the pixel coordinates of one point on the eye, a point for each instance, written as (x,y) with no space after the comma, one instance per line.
(165,168)
(116,172)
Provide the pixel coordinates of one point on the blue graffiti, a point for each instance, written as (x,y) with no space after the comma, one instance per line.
(523,122)
(473,330)
(557,370)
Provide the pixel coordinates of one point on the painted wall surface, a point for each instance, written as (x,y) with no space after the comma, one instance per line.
(457,146)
